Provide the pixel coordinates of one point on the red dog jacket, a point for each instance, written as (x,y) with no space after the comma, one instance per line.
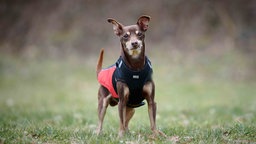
(105,79)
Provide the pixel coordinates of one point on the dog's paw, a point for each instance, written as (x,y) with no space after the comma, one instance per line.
(121,134)
(161,133)
(98,131)
(157,133)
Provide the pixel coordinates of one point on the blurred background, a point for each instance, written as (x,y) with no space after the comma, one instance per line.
(203,53)
(198,38)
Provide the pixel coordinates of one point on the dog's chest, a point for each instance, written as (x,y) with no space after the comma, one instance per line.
(135,80)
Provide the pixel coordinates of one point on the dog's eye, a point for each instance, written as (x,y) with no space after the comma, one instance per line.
(126,36)
(139,34)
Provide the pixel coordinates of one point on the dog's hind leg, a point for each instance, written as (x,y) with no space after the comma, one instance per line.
(103,102)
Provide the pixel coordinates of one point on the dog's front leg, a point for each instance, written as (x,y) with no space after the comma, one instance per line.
(123,93)
(149,94)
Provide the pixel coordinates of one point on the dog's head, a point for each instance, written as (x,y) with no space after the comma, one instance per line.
(132,37)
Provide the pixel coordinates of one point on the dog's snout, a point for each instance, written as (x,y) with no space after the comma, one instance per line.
(135,44)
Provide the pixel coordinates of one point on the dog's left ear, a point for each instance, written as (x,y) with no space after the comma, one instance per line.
(143,22)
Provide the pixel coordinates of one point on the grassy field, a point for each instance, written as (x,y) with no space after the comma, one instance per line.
(55,101)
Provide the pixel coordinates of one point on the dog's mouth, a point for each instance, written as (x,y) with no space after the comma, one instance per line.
(134,49)
(134,52)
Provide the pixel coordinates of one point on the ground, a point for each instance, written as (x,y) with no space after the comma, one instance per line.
(55,101)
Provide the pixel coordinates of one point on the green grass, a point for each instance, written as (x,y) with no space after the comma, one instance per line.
(55,101)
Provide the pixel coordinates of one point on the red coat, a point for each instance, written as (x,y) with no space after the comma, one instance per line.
(105,79)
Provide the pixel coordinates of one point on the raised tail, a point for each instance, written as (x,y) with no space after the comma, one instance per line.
(100,60)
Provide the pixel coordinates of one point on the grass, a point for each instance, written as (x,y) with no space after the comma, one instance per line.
(55,101)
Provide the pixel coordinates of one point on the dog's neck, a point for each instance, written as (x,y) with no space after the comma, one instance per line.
(135,64)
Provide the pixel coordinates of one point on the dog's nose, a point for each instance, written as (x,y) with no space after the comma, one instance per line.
(134,44)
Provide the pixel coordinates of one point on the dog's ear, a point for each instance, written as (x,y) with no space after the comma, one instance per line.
(118,28)
(143,22)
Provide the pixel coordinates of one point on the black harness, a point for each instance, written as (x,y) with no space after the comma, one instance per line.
(134,79)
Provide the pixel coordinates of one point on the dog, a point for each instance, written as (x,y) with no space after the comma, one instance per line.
(129,81)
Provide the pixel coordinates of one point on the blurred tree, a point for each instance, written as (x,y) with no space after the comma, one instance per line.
(81,26)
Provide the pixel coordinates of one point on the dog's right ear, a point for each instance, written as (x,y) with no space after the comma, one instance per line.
(118,28)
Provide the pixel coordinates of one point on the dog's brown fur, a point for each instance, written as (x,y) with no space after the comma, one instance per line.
(133,54)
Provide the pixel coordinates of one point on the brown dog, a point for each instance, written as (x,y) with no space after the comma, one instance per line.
(129,81)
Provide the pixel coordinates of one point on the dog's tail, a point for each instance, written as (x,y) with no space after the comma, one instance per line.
(100,60)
